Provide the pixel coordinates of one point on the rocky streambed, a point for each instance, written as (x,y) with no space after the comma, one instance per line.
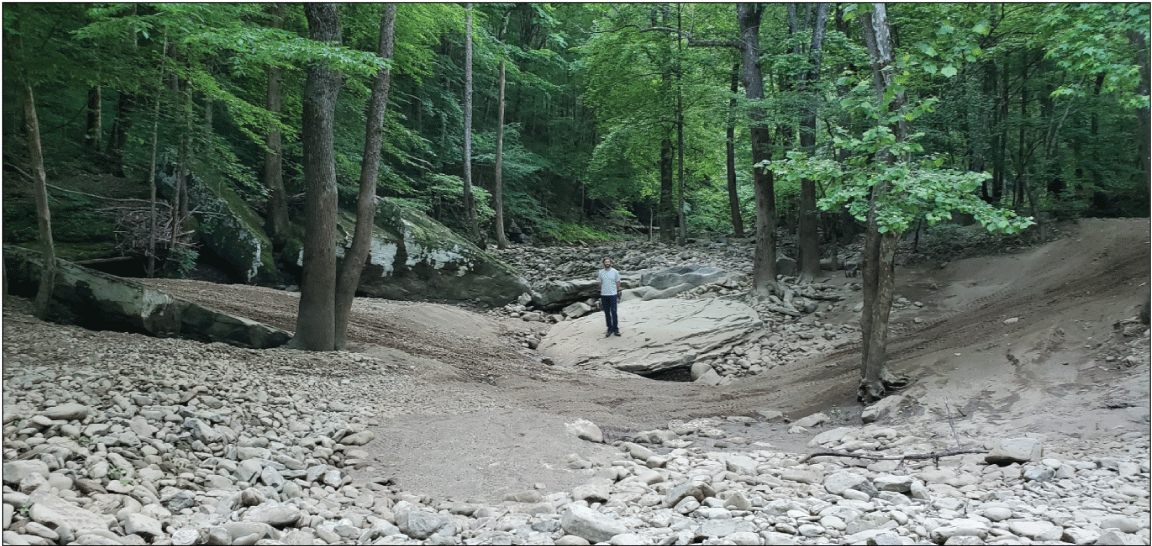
(114,438)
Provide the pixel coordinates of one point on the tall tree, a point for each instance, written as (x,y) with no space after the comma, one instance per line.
(469,200)
(357,254)
(877,274)
(498,183)
(277,220)
(730,156)
(316,319)
(764,255)
(808,237)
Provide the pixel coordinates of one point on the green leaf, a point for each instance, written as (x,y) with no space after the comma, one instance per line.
(948,71)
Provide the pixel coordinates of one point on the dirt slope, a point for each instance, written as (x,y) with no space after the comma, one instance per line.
(493,422)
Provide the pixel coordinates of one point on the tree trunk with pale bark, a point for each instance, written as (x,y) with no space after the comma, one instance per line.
(357,254)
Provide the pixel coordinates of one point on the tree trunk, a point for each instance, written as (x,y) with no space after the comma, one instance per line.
(357,254)
(277,221)
(730,145)
(1143,114)
(498,184)
(877,275)
(809,236)
(125,105)
(43,214)
(764,255)
(682,234)
(667,204)
(151,270)
(316,319)
(469,201)
(94,134)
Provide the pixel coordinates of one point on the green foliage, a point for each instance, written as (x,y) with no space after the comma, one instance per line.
(563,232)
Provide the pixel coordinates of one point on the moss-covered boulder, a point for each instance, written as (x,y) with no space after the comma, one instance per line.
(226,225)
(100,301)
(416,258)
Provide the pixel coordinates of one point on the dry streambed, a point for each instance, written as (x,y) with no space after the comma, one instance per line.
(115,438)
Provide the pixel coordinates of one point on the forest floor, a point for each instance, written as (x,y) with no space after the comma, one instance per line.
(1024,344)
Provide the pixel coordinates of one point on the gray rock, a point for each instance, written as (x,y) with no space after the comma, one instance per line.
(1036,530)
(585,430)
(55,512)
(93,299)
(812,420)
(698,491)
(437,264)
(140,524)
(1016,450)
(960,527)
(838,482)
(882,409)
(420,525)
(16,471)
(1115,537)
(678,333)
(68,412)
(1121,523)
(274,514)
(589,524)
(358,438)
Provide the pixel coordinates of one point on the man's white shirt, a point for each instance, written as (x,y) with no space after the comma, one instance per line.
(608,280)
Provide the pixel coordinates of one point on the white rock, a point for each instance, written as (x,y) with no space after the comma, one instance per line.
(1036,530)
(1016,450)
(838,482)
(585,430)
(589,524)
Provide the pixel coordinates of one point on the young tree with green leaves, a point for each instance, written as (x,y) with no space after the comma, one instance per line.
(884,184)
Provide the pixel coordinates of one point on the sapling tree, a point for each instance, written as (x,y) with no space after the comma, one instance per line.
(888,183)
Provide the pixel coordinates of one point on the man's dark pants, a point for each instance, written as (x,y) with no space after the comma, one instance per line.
(608,303)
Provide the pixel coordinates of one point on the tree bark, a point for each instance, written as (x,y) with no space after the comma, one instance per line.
(877,274)
(730,145)
(151,269)
(682,233)
(809,237)
(277,221)
(764,255)
(469,200)
(94,134)
(666,204)
(357,254)
(498,189)
(40,191)
(316,319)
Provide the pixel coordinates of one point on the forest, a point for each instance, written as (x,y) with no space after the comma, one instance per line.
(615,116)
(564,122)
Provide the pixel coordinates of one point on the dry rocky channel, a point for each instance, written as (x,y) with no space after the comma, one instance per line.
(115,438)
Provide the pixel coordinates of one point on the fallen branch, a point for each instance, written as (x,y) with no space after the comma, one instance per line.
(910,457)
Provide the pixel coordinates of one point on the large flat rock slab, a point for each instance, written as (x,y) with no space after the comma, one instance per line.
(658,335)
(100,301)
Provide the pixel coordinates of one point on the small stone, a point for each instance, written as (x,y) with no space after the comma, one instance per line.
(586,430)
(1016,450)
(1036,530)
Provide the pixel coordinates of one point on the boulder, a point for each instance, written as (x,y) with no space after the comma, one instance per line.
(415,258)
(659,335)
(553,295)
(101,301)
(693,275)
(225,224)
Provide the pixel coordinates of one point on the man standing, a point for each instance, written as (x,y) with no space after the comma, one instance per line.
(609,296)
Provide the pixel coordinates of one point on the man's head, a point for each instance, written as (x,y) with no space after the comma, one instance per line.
(607,263)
